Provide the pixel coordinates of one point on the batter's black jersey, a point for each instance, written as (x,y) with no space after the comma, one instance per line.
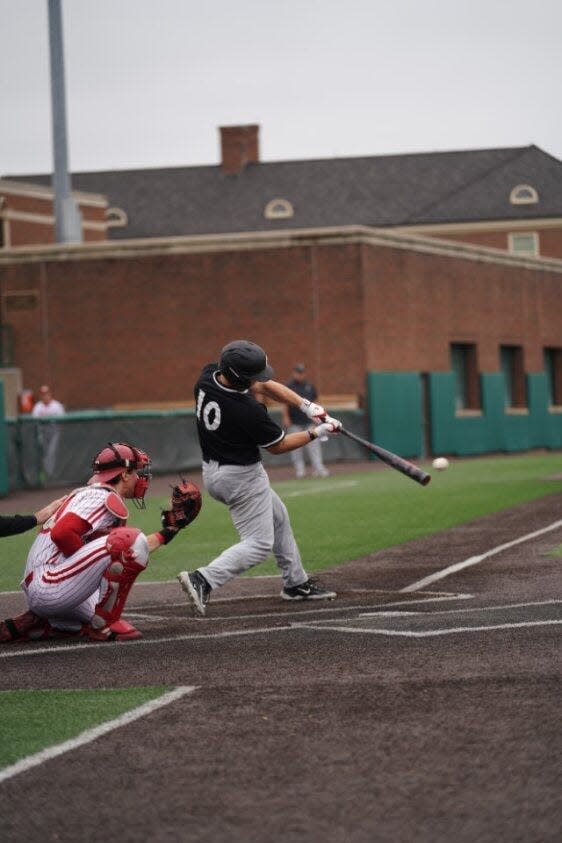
(10,525)
(232,425)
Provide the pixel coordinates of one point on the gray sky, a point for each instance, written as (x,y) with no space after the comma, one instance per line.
(148,82)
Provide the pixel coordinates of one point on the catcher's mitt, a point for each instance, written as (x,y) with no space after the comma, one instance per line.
(186,506)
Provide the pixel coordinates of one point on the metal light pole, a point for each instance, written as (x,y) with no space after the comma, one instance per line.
(68,220)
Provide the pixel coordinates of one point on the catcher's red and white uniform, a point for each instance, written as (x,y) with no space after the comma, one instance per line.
(64,576)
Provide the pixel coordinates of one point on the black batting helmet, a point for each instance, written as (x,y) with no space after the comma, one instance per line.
(242,362)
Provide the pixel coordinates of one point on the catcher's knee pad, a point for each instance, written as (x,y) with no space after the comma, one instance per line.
(128,549)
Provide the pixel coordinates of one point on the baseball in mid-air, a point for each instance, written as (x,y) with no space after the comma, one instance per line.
(440,463)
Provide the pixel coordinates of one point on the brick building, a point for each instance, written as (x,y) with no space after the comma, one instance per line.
(27,214)
(450,346)
(509,199)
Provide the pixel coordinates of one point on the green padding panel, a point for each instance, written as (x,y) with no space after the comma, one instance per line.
(395,411)
(494,429)
(3,446)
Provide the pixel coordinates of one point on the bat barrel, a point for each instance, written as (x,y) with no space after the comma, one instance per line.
(393,460)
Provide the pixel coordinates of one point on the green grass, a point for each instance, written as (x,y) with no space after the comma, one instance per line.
(28,724)
(345,516)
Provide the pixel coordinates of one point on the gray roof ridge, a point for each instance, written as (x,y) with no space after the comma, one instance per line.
(290,161)
(417,213)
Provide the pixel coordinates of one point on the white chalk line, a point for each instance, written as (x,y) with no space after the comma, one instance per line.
(317,490)
(427,633)
(464,609)
(108,646)
(90,735)
(442,595)
(332,609)
(474,560)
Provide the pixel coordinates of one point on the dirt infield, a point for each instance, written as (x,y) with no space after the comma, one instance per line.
(385,715)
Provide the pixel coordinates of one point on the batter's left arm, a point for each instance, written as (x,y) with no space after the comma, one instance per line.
(281,393)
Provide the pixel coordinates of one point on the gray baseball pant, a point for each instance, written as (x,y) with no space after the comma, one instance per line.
(262,522)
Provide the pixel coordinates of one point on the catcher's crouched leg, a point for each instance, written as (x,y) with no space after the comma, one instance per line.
(128,548)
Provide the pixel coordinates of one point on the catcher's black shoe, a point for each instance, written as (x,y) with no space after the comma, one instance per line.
(17,629)
(309,590)
(197,589)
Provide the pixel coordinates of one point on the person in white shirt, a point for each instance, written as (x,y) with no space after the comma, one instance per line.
(48,434)
(47,405)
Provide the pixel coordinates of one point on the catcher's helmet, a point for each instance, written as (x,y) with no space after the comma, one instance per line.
(118,457)
(243,362)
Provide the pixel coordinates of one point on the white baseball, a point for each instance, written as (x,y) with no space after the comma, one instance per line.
(440,463)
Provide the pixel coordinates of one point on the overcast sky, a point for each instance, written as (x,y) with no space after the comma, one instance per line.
(149,81)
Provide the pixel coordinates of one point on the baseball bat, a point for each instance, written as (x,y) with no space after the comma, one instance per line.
(393,460)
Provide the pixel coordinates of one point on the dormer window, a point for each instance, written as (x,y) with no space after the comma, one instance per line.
(523,194)
(278,209)
(116,218)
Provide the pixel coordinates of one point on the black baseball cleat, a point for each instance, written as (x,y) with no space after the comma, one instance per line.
(197,589)
(309,590)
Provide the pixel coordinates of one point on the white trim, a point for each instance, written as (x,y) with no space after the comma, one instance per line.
(227,388)
(490,226)
(275,441)
(90,735)
(38,191)
(46,219)
(289,238)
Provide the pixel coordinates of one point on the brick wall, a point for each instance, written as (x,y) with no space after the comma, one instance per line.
(550,238)
(416,305)
(134,329)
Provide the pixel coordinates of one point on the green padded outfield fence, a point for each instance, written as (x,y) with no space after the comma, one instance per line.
(405,421)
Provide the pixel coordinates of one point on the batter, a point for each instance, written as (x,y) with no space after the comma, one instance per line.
(233,425)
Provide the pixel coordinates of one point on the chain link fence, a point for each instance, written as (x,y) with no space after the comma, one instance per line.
(58,452)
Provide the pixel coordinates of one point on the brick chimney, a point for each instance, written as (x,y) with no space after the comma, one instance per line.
(239,146)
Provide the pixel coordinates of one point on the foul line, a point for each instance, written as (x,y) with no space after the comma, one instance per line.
(90,735)
(109,646)
(474,560)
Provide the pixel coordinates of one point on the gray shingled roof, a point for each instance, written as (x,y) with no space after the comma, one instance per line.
(390,190)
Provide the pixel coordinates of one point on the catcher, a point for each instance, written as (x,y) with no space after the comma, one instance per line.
(85,559)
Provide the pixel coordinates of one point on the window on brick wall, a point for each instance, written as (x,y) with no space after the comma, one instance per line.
(513,370)
(526,243)
(553,369)
(464,364)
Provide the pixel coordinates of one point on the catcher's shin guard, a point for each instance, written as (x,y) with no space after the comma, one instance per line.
(128,548)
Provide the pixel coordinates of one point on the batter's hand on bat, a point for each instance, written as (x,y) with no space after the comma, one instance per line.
(314,411)
(329,427)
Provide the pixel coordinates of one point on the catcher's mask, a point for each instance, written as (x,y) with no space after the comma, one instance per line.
(242,362)
(118,457)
